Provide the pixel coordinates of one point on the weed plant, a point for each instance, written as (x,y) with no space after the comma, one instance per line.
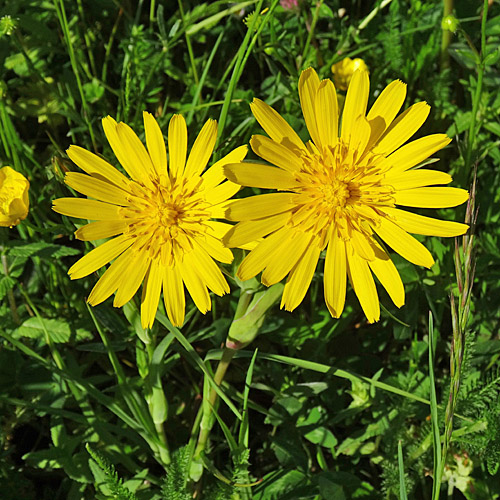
(93,406)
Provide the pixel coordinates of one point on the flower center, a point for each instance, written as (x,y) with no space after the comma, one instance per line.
(339,188)
(165,219)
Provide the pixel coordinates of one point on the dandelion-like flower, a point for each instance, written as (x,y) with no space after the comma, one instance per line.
(162,217)
(344,70)
(340,193)
(14,200)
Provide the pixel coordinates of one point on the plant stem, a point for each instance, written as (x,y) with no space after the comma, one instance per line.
(446,36)
(63,21)
(471,136)
(208,420)
(311,30)
(189,46)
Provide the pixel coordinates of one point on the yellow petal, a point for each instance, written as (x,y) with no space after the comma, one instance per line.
(308,86)
(403,243)
(202,149)
(417,178)
(151,294)
(327,114)
(207,270)
(290,252)
(335,275)
(362,245)
(177,145)
(136,154)
(217,250)
(173,295)
(263,253)
(402,128)
(385,109)
(133,278)
(418,224)
(97,167)
(355,102)
(275,153)
(248,231)
(431,197)
(82,208)
(386,272)
(363,285)
(101,229)
(195,286)
(215,174)
(300,278)
(259,175)
(360,134)
(99,257)
(110,280)
(263,205)
(414,152)
(222,192)
(95,188)
(275,126)
(121,150)
(156,145)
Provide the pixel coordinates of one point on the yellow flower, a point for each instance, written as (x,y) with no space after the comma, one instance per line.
(161,217)
(343,71)
(14,200)
(340,194)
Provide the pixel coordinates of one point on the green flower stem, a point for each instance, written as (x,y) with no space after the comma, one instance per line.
(237,71)
(471,136)
(446,36)
(157,441)
(207,420)
(152,402)
(63,21)
(311,30)
(188,45)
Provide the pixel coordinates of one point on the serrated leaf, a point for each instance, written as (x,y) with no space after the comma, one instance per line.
(43,250)
(6,284)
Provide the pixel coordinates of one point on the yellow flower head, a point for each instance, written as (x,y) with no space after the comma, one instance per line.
(343,71)
(340,192)
(161,217)
(14,200)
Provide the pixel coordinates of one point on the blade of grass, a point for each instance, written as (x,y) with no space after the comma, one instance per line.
(135,403)
(436,439)
(402,484)
(244,428)
(194,357)
(331,370)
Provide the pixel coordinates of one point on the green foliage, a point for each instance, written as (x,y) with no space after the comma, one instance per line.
(321,408)
(106,477)
(177,474)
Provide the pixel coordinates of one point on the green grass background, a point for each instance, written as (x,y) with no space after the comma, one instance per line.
(92,406)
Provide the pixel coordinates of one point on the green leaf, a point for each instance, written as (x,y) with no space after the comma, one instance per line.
(43,250)
(322,436)
(59,330)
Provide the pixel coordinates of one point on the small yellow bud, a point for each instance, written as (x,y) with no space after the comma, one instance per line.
(14,201)
(343,71)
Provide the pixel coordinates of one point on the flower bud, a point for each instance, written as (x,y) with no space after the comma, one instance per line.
(343,71)
(14,201)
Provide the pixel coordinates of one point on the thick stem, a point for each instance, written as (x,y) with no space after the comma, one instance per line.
(208,420)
